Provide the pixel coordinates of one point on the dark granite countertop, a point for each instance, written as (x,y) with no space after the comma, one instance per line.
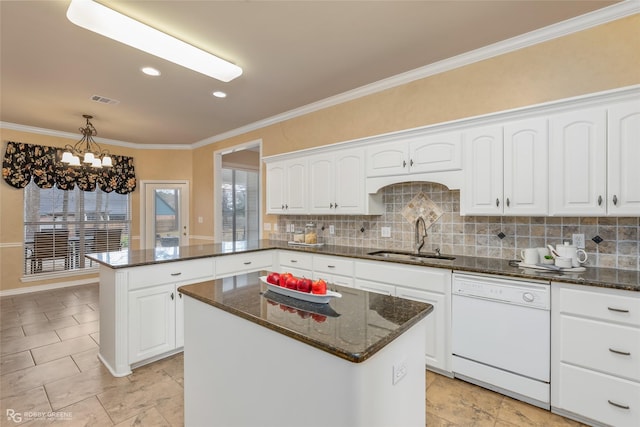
(353,327)
(593,276)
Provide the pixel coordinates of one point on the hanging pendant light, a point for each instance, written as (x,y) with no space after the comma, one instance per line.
(92,154)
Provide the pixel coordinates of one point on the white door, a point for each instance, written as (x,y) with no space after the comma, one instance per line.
(389,158)
(623,169)
(434,153)
(321,184)
(296,184)
(482,193)
(349,182)
(526,167)
(165,214)
(577,163)
(275,187)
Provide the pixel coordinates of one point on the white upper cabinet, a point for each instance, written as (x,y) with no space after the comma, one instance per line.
(416,154)
(336,182)
(483,193)
(526,171)
(287,187)
(506,169)
(577,163)
(623,168)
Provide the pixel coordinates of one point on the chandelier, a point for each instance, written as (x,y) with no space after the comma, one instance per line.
(92,154)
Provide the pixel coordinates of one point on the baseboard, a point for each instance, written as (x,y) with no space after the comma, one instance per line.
(48,287)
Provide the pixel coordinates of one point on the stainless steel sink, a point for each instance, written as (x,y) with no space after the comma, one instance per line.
(409,256)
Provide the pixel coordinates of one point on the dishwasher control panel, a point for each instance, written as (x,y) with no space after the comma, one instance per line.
(517,292)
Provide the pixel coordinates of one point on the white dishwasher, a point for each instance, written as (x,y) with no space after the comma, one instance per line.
(502,335)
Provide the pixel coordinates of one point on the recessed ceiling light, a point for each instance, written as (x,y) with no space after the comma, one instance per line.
(219,94)
(150,71)
(109,23)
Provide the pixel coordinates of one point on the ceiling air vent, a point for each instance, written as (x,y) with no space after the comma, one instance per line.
(104,100)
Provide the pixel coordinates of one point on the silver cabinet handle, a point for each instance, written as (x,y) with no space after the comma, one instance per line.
(599,200)
(247,262)
(286,206)
(411,162)
(293,261)
(404,163)
(172,296)
(176,274)
(335,205)
(497,202)
(615,200)
(180,295)
(618,310)
(330,205)
(331,266)
(624,353)
(283,207)
(508,202)
(618,405)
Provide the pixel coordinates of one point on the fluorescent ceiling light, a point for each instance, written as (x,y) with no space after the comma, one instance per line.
(107,22)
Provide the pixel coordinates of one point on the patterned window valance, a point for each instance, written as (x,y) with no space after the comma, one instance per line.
(22,162)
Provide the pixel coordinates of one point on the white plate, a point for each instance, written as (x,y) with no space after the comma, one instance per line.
(553,268)
(322,299)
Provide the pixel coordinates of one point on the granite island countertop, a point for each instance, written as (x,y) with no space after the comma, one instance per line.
(353,327)
(593,276)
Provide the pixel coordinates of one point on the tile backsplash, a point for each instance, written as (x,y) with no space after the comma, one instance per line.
(474,235)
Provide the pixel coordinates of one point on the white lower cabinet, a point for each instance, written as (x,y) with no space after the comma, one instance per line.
(299,264)
(245,262)
(424,284)
(333,269)
(595,354)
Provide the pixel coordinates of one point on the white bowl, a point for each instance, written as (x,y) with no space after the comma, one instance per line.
(563,262)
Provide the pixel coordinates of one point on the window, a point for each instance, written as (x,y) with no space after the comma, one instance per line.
(240,219)
(60,227)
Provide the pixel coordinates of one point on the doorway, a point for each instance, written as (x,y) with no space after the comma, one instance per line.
(165,214)
(237,195)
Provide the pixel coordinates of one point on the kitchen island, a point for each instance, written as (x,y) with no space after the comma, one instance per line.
(257,358)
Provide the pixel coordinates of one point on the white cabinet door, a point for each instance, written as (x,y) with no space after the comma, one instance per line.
(526,167)
(152,328)
(435,153)
(349,182)
(623,198)
(483,193)
(438,351)
(276,187)
(377,287)
(321,184)
(296,184)
(577,163)
(388,158)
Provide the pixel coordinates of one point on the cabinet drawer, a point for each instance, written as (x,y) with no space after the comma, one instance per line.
(607,347)
(170,272)
(615,305)
(595,395)
(333,265)
(244,262)
(297,260)
(424,278)
(377,287)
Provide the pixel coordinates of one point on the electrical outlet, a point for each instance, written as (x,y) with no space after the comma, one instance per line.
(275,226)
(578,241)
(200,220)
(267,226)
(385,231)
(399,371)
(332,229)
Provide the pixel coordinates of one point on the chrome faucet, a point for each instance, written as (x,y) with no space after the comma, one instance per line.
(420,238)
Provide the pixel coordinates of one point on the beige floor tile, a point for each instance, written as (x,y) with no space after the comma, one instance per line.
(148,417)
(435,421)
(80,386)
(54,305)
(173,410)
(139,397)
(29,342)
(64,348)
(518,413)
(34,400)
(69,311)
(49,325)
(15,361)
(95,337)
(87,359)
(78,330)
(461,403)
(11,333)
(13,321)
(88,413)
(88,316)
(28,378)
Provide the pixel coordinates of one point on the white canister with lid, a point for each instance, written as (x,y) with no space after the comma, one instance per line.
(578,256)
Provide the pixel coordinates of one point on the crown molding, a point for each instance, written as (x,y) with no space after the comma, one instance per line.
(570,26)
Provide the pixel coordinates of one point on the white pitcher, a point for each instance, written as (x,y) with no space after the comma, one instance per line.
(578,256)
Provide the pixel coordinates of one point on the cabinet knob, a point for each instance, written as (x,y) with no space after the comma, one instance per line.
(497,202)
(335,205)
(404,163)
(286,206)
(172,296)
(180,295)
(508,202)
(615,200)
(330,205)
(411,162)
(282,207)
(599,200)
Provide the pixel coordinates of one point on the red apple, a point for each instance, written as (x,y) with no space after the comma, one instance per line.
(292,283)
(304,285)
(319,287)
(273,278)
(283,279)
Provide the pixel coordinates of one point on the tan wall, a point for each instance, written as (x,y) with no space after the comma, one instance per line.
(597,59)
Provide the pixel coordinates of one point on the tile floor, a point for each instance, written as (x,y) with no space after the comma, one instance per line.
(48,364)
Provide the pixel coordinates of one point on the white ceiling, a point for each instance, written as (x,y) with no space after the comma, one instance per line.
(293,53)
